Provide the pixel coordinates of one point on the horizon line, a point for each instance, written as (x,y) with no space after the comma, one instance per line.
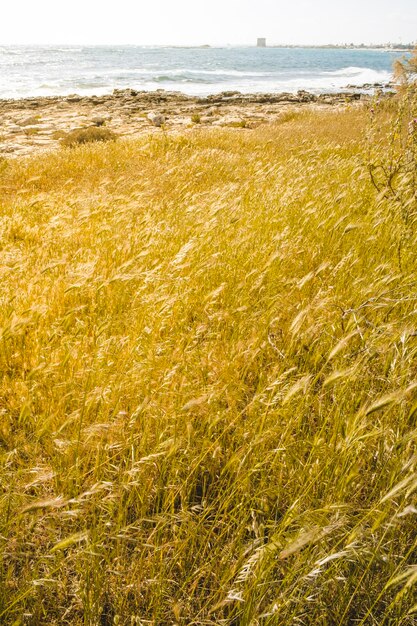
(385,44)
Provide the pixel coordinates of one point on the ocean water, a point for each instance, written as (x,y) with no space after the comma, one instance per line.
(86,70)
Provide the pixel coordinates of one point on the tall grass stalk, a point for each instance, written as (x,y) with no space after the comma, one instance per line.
(208,367)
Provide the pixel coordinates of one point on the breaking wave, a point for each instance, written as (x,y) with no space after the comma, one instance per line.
(62,70)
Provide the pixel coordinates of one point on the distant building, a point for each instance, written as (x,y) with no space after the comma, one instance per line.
(261,43)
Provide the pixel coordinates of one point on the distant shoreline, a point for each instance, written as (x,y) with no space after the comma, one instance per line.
(384,48)
(405,48)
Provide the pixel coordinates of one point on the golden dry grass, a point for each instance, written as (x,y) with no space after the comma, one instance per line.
(208,368)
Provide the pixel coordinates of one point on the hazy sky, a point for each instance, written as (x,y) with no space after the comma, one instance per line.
(209,22)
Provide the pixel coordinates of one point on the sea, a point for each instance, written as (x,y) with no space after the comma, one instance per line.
(27,71)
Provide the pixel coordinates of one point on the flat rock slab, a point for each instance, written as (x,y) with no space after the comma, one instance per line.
(38,124)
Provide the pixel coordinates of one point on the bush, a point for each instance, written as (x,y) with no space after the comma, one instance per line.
(87,135)
(59,134)
(31,131)
(30,121)
(392,163)
(405,71)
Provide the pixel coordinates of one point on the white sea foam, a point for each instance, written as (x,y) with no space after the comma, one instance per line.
(62,70)
(362,75)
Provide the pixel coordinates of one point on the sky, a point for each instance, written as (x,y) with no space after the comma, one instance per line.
(212,22)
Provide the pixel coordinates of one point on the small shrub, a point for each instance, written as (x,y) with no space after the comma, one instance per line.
(405,71)
(288,116)
(196,118)
(87,135)
(238,124)
(30,121)
(31,131)
(59,134)
(392,163)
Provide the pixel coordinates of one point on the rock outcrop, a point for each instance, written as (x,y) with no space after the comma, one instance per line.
(35,124)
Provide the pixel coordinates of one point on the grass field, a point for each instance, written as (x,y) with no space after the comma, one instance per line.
(208,381)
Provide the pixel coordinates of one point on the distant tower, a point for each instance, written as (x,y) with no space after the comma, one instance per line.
(261,43)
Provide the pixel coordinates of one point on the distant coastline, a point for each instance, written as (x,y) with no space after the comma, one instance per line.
(385,47)
(394,47)
(330,46)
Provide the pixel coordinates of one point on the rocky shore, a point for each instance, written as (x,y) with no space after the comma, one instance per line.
(36,124)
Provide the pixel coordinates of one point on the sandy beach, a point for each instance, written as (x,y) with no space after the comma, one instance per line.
(38,124)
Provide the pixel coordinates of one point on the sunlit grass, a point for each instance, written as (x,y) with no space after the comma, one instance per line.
(208,367)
